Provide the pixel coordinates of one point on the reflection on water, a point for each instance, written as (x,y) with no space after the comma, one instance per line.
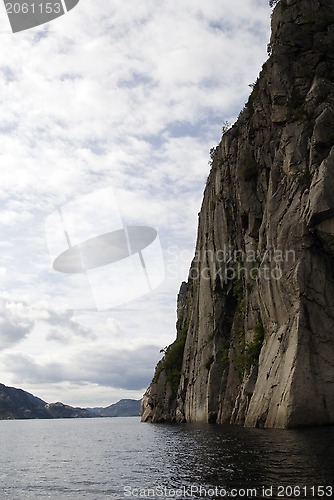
(99,458)
(233,456)
(237,457)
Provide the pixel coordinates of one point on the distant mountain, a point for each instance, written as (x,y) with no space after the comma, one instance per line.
(16,403)
(124,408)
(59,410)
(19,404)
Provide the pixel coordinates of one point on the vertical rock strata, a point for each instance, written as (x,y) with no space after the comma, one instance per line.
(255,341)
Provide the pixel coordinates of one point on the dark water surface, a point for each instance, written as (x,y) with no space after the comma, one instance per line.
(123,458)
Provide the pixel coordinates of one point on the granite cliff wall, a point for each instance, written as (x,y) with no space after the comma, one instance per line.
(255,328)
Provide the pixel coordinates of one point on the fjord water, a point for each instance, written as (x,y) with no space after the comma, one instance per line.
(111,457)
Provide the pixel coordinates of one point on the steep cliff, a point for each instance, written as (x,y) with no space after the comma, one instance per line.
(255,329)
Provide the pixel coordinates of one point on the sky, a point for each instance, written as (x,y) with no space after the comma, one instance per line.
(108,114)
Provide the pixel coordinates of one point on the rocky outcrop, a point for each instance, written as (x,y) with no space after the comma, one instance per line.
(160,402)
(255,341)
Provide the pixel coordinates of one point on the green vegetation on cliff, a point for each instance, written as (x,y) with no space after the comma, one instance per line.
(171,363)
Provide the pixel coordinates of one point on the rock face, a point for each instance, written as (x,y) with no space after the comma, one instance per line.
(255,328)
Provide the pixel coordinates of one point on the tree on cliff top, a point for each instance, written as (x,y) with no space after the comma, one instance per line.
(272,3)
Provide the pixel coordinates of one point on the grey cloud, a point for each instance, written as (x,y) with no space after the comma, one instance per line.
(18,318)
(12,333)
(13,328)
(65,329)
(117,368)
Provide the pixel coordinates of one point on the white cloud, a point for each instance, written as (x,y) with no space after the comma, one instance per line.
(14,325)
(128,95)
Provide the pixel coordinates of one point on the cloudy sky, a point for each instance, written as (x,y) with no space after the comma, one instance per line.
(108,114)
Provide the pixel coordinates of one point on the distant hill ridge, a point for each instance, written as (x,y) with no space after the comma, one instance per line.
(123,408)
(19,404)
